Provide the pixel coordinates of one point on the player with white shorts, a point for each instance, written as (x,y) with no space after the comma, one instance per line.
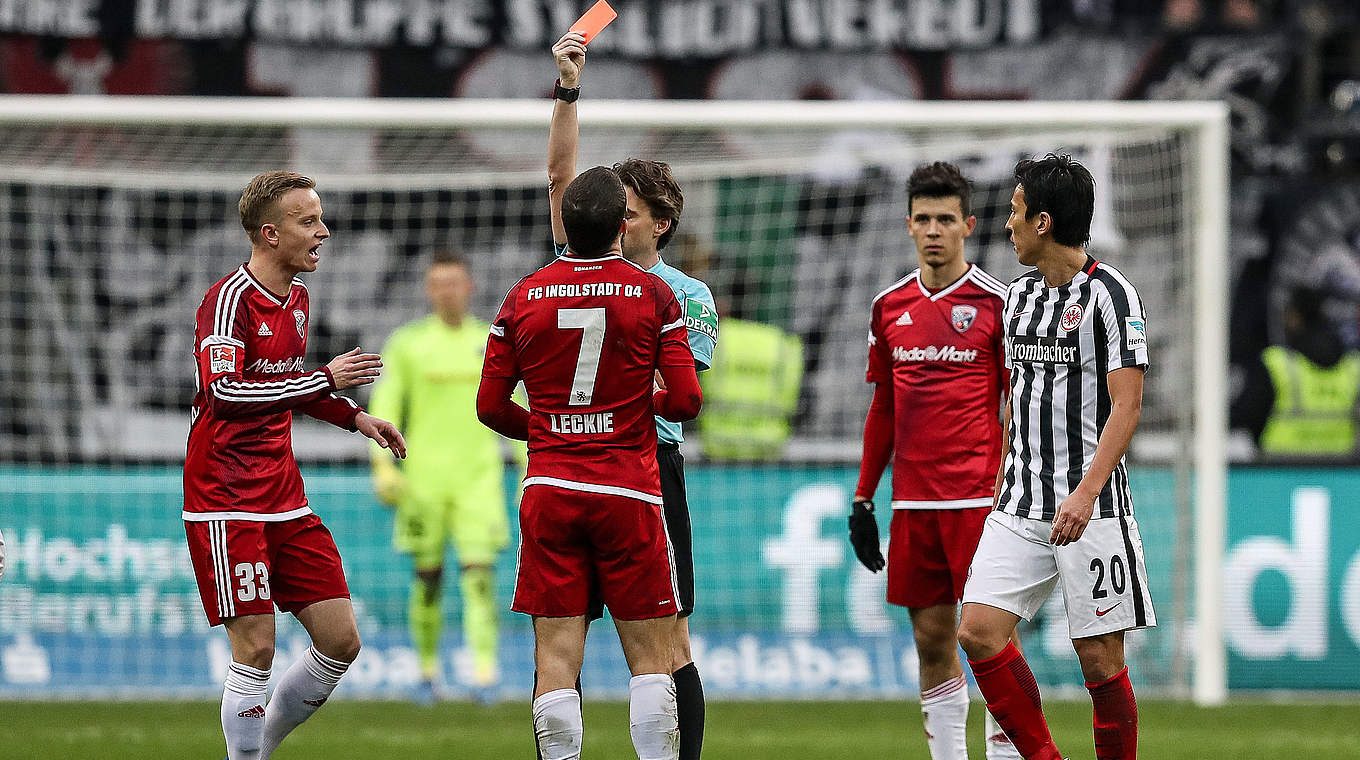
(1103,576)
(1076,347)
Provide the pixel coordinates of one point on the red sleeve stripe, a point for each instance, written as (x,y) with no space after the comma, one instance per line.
(274,386)
(895,286)
(235,390)
(988,282)
(228,297)
(214,340)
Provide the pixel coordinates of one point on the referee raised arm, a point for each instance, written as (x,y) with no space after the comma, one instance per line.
(1076,347)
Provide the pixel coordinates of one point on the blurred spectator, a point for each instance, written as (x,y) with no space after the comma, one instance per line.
(752,390)
(1230,15)
(751,393)
(1306,405)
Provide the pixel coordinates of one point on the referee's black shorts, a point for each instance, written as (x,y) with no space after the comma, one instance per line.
(675,514)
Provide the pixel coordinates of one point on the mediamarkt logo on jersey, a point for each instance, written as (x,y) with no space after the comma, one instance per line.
(273,368)
(933,354)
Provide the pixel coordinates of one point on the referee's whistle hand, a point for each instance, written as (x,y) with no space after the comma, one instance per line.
(1074,514)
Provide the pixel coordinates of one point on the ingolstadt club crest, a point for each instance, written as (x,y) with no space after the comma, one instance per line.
(300,319)
(963,316)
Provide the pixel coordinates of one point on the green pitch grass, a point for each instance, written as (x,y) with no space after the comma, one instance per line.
(736,731)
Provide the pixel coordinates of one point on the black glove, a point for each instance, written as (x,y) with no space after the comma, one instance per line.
(864,535)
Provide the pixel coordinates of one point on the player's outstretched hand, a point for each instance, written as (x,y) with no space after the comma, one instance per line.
(864,535)
(384,433)
(1074,514)
(354,368)
(570,54)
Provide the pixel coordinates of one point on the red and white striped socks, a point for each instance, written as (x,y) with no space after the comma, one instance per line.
(945,710)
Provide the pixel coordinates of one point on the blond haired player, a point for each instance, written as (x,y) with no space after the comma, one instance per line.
(254,541)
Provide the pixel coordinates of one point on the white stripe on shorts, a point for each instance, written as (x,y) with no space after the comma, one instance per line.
(670,561)
(217,539)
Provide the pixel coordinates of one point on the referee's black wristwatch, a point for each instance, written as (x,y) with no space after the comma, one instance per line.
(565,94)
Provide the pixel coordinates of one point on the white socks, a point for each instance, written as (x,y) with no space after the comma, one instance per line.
(651,720)
(999,745)
(243,711)
(652,717)
(945,709)
(557,724)
(305,686)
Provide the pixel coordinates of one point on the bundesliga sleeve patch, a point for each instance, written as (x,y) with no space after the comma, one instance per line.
(221,359)
(1135,335)
(700,317)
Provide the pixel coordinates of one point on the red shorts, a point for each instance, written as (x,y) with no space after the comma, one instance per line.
(575,545)
(246,567)
(929,551)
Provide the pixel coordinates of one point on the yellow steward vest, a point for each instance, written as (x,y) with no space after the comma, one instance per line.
(1314,406)
(751,392)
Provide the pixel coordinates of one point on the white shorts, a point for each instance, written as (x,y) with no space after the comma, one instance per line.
(1103,575)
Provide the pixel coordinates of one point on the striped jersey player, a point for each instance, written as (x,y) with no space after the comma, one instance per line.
(1060,344)
(1076,347)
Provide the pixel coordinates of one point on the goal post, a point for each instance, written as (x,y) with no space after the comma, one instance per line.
(794,210)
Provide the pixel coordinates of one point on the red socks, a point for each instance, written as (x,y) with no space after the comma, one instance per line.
(1012,695)
(1115,718)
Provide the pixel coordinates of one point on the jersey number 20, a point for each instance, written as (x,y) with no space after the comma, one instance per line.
(591,323)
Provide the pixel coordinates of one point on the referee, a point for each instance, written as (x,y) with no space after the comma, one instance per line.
(1076,347)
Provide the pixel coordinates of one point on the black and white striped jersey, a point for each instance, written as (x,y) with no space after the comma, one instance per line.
(1060,344)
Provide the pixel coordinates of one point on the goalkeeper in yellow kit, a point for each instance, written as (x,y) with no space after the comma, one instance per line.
(451,488)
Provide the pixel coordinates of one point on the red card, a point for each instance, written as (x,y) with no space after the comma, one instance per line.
(594,20)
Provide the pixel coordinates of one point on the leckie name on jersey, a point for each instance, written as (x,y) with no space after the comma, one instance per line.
(602,422)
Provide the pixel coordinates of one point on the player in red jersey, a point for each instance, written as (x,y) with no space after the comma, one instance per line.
(254,542)
(586,334)
(936,360)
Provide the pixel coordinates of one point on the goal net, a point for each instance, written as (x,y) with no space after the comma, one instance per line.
(115,217)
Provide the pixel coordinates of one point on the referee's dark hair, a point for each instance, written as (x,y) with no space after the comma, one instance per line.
(1065,189)
(593,208)
(653,182)
(940,180)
